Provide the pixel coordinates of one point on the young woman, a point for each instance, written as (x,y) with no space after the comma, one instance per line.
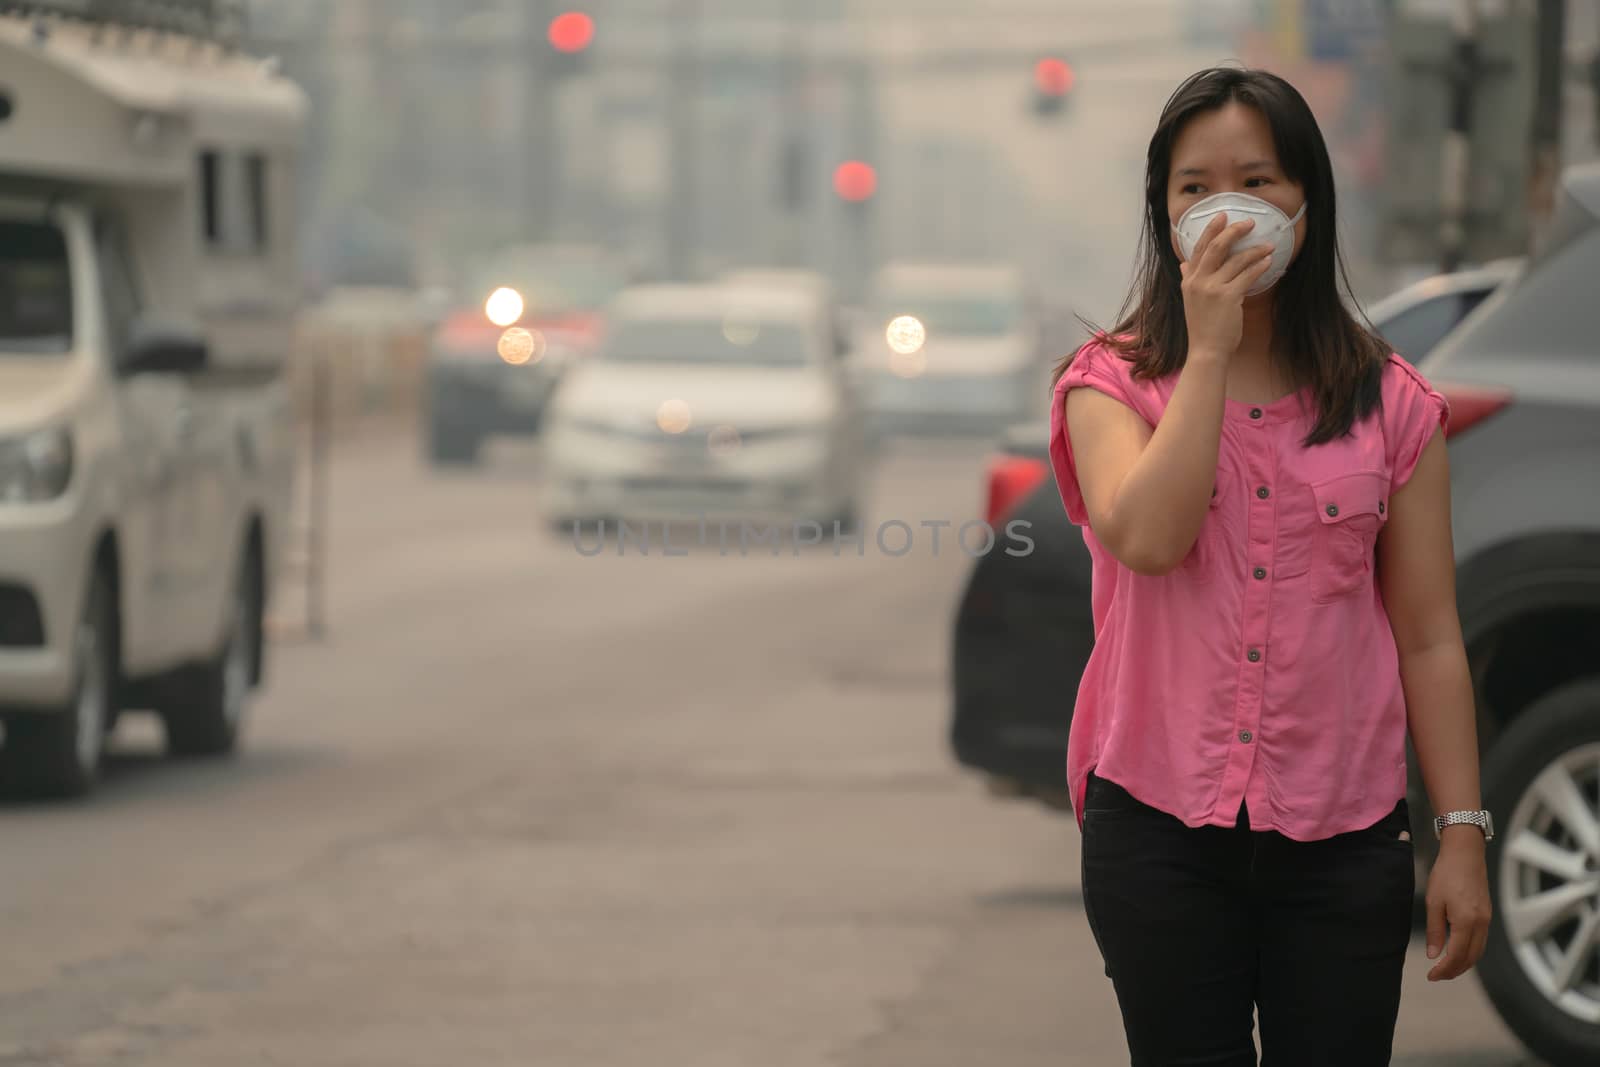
(1266,499)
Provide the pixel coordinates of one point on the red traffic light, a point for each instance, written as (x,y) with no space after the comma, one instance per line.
(571,32)
(855,181)
(1052,76)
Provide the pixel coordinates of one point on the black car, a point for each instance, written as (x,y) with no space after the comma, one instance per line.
(1024,630)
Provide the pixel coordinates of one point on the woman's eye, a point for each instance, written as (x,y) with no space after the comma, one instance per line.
(1190,190)
(1251,183)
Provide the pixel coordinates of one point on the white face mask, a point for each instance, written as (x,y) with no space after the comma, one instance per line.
(1272,227)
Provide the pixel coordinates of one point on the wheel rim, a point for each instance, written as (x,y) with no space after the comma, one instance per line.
(236,665)
(1550,882)
(90,707)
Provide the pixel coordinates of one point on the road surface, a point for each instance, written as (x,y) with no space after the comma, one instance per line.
(525,807)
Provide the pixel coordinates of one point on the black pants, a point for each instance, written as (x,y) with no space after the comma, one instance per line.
(1198,926)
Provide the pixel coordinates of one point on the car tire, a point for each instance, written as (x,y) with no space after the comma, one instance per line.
(451,445)
(58,754)
(204,709)
(1561,726)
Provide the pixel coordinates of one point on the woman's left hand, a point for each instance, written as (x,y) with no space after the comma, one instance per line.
(1458,896)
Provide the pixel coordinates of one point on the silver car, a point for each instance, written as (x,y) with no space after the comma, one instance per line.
(949,347)
(1522,373)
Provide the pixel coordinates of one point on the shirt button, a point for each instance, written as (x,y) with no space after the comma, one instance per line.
(1380,507)
(1263,492)
(1255,655)
(1245,736)
(1260,573)
(1333,509)
(1255,413)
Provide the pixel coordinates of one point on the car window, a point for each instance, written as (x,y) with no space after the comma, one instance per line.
(35,289)
(1415,331)
(735,341)
(118,287)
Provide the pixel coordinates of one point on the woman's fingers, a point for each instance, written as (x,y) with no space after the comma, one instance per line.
(1221,246)
(1213,228)
(1463,949)
(1252,262)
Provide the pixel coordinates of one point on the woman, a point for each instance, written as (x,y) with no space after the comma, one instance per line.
(1266,496)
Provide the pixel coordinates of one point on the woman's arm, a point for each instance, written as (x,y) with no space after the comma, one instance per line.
(1147,492)
(1416,575)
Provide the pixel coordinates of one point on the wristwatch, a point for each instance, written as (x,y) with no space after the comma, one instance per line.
(1480,819)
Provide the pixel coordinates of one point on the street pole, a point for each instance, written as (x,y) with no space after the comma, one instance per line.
(1546,146)
(682,97)
(1455,163)
(541,174)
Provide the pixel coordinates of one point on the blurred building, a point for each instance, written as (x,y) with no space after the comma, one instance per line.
(702,134)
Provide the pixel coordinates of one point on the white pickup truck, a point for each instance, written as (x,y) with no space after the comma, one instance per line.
(147,291)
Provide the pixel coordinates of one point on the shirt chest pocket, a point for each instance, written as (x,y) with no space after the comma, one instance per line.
(1351,510)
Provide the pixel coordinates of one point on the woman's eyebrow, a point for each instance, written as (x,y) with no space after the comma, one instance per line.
(1192,172)
(1258,164)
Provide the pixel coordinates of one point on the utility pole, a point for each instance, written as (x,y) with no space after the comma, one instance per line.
(1455,163)
(542,171)
(796,169)
(1545,150)
(683,95)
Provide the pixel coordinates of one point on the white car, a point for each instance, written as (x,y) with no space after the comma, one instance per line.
(726,400)
(949,347)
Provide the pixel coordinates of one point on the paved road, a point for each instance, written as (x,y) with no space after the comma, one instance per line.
(525,807)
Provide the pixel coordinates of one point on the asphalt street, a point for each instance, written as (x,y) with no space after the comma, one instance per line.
(523,806)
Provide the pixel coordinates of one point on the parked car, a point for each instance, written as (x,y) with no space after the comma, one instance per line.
(1522,373)
(530,312)
(949,347)
(725,400)
(147,299)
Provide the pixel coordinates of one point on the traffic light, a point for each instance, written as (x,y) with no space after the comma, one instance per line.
(570,34)
(1053,80)
(855,181)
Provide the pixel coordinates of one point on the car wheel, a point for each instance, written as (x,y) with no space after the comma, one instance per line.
(1542,965)
(58,753)
(205,707)
(451,445)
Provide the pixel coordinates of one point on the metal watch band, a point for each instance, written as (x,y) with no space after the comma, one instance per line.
(1480,819)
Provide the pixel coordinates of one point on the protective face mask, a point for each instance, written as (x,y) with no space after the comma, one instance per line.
(1272,227)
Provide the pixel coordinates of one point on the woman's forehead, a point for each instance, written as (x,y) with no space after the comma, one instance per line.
(1234,136)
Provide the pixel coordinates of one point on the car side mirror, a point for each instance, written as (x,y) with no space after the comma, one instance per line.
(164,348)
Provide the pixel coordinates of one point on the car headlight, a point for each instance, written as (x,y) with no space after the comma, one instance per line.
(35,466)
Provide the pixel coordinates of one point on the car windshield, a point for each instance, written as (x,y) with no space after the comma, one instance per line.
(971,316)
(35,289)
(1415,331)
(734,341)
(552,286)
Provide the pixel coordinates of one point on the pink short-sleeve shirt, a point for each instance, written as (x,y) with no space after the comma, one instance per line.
(1263,669)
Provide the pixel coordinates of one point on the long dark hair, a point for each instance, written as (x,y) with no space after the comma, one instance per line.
(1338,358)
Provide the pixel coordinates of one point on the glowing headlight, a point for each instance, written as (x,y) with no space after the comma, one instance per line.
(35,466)
(504,307)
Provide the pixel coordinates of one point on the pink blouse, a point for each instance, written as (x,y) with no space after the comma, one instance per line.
(1263,669)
